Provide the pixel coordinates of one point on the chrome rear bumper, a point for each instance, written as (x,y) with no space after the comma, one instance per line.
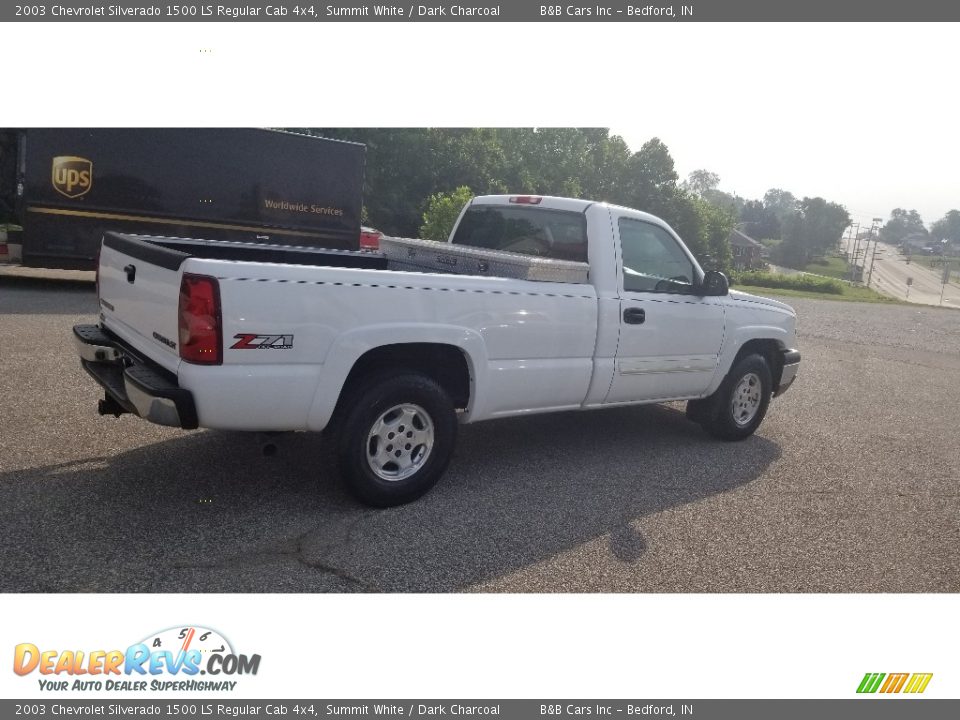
(132,384)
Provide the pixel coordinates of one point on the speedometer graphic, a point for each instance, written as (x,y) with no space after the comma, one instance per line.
(184,639)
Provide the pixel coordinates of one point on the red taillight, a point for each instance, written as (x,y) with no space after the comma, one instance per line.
(200,338)
(370,239)
(526,200)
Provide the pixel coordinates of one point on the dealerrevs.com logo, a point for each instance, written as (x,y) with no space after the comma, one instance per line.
(176,659)
(893,683)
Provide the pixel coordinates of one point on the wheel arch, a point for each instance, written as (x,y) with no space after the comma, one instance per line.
(770,350)
(769,341)
(452,357)
(447,365)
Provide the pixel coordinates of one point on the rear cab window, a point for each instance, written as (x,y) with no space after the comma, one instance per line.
(542,232)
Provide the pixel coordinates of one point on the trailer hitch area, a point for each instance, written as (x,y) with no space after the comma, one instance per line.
(109,406)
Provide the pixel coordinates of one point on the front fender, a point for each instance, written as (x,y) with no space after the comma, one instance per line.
(737,337)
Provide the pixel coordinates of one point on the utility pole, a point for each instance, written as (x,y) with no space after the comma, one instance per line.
(873,258)
(853,255)
(946,268)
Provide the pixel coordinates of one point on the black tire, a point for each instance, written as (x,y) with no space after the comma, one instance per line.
(725,420)
(360,457)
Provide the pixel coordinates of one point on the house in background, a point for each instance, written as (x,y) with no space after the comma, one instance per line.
(748,254)
(914,243)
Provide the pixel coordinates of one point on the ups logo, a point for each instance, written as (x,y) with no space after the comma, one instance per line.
(72,176)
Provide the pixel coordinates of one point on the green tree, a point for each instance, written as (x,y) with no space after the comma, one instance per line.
(606,158)
(406,165)
(718,222)
(811,231)
(700,182)
(704,227)
(466,156)
(725,200)
(442,212)
(759,221)
(703,184)
(573,162)
(902,223)
(780,202)
(947,227)
(649,182)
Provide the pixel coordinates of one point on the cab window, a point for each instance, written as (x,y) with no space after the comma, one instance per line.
(556,234)
(652,260)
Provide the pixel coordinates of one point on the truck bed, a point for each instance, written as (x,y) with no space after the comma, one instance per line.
(321,310)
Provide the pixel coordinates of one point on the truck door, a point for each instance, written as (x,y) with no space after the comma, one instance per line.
(670,338)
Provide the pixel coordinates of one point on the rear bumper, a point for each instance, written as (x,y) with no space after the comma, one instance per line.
(132,383)
(791,366)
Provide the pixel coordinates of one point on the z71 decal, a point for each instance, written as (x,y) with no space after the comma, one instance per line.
(252,341)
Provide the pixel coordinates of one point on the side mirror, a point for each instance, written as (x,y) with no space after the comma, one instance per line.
(715,284)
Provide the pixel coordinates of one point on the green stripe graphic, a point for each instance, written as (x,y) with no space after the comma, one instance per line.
(871,682)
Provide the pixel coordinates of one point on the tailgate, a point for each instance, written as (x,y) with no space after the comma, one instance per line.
(140,293)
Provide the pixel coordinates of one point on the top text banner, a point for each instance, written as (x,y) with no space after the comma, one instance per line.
(482,11)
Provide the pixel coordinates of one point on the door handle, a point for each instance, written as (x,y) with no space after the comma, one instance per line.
(634,316)
(131,271)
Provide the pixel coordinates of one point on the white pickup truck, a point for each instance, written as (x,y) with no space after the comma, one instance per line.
(237,336)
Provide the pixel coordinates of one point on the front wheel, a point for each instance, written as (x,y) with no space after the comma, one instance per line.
(397,439)
(740,403)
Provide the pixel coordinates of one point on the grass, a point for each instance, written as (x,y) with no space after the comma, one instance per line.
(808,283)
(849,294)
(835,267)
(934,262)
(830,285)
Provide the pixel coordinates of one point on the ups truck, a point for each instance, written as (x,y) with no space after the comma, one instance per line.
(66,187)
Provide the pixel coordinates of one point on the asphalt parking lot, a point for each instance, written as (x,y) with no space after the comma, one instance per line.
(851,484)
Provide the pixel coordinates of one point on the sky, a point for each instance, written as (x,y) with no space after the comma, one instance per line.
(861,114)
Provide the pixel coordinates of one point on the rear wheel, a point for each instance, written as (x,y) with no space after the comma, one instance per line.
(396,439)
(737,408)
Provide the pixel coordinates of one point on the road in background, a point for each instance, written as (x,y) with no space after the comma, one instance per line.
(892,271)
(850,485)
